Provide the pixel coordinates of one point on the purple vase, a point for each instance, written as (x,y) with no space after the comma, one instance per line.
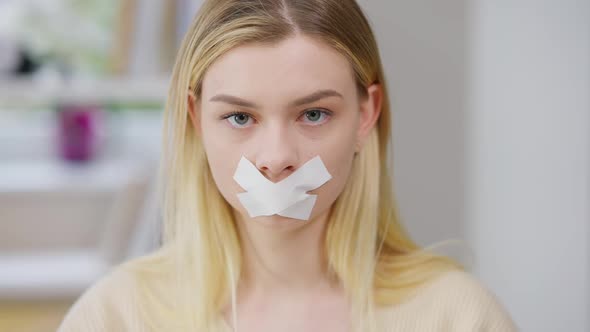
(78,131)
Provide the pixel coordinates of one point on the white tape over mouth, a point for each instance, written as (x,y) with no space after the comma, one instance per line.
(287,198)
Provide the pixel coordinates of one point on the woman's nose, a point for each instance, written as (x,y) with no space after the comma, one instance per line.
(277,155)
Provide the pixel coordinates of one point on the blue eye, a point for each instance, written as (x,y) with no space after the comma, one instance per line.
(238,120)
(316,116)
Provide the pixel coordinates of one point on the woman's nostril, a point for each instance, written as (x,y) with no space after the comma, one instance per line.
(278,175)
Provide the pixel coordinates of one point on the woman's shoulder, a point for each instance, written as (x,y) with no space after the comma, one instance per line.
(452,301)
(112,303)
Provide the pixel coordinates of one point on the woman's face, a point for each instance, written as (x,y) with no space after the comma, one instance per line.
(279,106)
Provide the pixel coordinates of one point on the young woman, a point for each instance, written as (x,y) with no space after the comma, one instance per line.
(277,201)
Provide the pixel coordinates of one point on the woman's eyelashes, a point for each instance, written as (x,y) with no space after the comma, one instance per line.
(239,119)
(310,117)
(316,116)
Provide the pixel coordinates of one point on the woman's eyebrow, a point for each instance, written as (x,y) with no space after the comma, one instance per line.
(320,94)
(233,100)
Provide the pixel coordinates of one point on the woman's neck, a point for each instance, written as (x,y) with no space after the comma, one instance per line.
(286,257)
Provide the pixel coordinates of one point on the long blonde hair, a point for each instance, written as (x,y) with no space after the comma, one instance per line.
(367,248)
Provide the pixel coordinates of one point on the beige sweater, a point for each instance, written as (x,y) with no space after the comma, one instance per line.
(455,301)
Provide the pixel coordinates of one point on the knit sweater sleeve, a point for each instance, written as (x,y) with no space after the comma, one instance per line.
(105,306)
(455,301)
(471,306)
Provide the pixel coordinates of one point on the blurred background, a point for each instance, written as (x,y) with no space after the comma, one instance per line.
(491,144)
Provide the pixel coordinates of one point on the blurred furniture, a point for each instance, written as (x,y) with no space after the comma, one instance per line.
(62,226)
(50,91)
(34,316)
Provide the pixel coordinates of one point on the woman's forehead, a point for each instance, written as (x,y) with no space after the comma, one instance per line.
(294,66)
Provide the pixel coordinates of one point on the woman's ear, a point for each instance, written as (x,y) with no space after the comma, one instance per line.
(370,111)
(194,111)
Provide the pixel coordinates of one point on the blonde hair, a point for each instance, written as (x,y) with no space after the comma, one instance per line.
(367,249)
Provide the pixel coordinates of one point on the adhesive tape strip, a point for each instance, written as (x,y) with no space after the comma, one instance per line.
(287,198)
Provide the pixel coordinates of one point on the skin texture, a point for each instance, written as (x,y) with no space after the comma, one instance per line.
(279,129)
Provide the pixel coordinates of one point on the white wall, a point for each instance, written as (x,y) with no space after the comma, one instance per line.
(491,142)
(529,157)
(422,44)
